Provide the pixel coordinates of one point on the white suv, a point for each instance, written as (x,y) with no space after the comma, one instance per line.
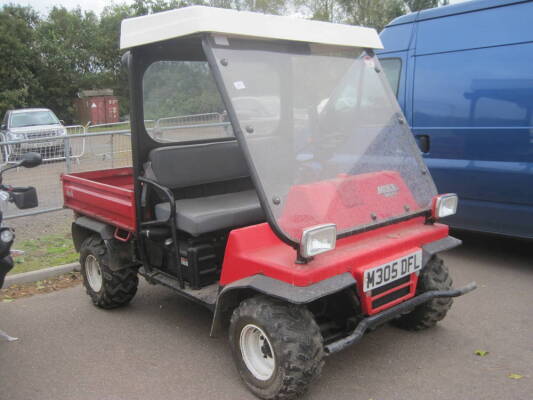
(32,123)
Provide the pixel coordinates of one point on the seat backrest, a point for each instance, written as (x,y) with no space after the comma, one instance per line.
(179,167)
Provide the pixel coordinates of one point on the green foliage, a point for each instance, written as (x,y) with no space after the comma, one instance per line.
(417,5)
(20,67)
(47,60)
(67,42)
(370,12)
(167,94)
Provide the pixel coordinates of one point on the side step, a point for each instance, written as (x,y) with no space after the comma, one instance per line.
(206,296)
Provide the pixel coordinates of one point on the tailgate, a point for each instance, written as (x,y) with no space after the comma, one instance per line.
(105,195)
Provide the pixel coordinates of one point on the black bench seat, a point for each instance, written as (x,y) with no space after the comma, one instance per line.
(211,184)
(208,214)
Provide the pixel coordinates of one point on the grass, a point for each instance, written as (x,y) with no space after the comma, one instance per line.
(46,251)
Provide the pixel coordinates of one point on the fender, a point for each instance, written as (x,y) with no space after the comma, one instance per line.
(120,255)
(430,249)
(231,295)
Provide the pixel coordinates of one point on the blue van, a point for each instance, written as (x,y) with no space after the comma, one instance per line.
(463,75)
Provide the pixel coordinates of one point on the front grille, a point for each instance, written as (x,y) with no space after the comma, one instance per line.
(391,297)
(41,134)
(391,285)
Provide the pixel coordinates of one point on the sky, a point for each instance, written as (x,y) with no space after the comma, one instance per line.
(43,6)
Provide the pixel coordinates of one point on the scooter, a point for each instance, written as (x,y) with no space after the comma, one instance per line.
(24,198)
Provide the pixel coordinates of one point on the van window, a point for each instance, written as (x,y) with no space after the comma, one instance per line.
(181,103)
(393,69)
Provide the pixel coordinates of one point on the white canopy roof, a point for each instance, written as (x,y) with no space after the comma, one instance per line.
(189,20)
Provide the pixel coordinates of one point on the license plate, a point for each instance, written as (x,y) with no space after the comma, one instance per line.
(387,273)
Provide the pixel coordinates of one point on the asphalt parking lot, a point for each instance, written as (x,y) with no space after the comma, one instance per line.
(159,348)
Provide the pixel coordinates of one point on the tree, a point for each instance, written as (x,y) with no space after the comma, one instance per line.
(68,44)
(20,66)
(322,10)
(371,13)
(417,5)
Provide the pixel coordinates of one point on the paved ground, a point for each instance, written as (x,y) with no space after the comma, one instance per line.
(158,348)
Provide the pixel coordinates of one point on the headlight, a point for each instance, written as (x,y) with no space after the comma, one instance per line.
(7,236)
(318,239)
(62,131)
(16,136)
(444,205)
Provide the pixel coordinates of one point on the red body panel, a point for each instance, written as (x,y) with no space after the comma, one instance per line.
(257,250)
(105,195)
(108,196)
(347,201)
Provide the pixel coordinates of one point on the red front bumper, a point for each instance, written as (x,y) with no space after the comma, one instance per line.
(257,250)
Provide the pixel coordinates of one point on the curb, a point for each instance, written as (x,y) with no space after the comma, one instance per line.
(41,274)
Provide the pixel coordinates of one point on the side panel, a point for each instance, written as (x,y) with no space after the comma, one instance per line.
(105,195)
(489,27)
(476,108)
(396,38)
(471,95)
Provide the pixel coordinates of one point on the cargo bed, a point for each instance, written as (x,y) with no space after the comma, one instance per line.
(106,195)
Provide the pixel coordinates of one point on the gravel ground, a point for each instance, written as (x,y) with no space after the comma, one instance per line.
(27,228)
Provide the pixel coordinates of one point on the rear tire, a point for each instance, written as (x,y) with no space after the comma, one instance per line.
(277,347)
(434,276)
(107,288)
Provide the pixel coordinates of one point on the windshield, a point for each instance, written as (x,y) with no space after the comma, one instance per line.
(325,135)
(32,118)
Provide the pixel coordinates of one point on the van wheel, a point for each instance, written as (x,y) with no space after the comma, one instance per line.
(434,276)
(107,288)
(277,347)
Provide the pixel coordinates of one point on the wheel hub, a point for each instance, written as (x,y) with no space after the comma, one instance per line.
(257,352)
(93,273)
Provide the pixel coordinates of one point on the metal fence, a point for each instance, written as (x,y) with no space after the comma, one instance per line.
(188,127)
(92,147)
(84,148)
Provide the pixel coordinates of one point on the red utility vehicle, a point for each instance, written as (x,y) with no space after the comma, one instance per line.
(275,182)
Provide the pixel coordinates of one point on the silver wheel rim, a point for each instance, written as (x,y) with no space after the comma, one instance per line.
(93,272)
(257,352)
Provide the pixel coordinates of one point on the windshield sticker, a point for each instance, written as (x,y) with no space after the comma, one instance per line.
(221,40)
(239,85)
(388,190)
(369,62)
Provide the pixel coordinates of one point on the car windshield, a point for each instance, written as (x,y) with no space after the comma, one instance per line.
(324,133)
(32,118)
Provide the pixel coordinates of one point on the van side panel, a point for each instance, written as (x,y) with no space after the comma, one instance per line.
(397,38)
(473,97)
(479,119)
(490,27)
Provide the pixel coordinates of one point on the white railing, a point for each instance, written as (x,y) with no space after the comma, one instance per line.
(92,147)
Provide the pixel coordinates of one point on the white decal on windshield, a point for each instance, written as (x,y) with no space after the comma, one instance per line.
(239,85)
